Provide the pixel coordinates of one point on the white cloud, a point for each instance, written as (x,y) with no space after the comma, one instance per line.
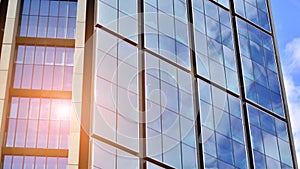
(291,63)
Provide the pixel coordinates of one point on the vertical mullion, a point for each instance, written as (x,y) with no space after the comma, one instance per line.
(200,152)
(141,85)
(241,86)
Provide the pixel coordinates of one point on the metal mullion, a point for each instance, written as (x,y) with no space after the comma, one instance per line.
(241,85)
(141,86)
(282,87)
(198,128)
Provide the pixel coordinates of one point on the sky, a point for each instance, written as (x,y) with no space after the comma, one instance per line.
(286,15)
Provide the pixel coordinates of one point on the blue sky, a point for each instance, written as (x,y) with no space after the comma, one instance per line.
(287,26)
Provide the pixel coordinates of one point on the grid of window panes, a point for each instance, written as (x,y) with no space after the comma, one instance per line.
(259,67)
(222,128)
(169,114)
(16,162)
(270,142)
(116,94)
(48,19)
(38,123)
(44,68)
(119,16)
(33,122)
(214,45)
(255,11)
(166,30)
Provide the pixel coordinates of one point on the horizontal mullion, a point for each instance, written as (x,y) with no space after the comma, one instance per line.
(35,152)
(40,93)
(45,41)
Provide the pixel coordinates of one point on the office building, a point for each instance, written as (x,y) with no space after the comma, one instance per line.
(115,84)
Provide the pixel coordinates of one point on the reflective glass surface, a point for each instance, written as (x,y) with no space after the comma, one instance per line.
(119,16)
(166,30)
(222,128)
(116,94)
(106,156)
(170,115)
(216,59)
(269,138)
(38,123)
(255,11)
(48,19)
(44,68)
(259,67)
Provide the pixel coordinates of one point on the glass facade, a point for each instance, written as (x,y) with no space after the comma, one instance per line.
(184,84)
(207,125)
(38,123)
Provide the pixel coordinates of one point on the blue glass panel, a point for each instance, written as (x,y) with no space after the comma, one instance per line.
(222,123)
(213,29)
(209,141)
(170,96)
(205,91)
(244,45)
(199,21)
(271,145)
(183,57)
(188,157)
(250,89)
(277,104)
(263,96)
(211,10)
(224,147)
(272,163)
(251,13)
(240,155)
(210,162)
(44,8)
(259,160)
(267,123)
(254,116)
(281,130)
(257,141)
(167,47)
(226,36)
(264,20)
(237,129)
(166,6)
(260,74)
(207,115)
(198,5)
(257,53)
(285,152)
(180,10)
(229,58)
(202,66)
(270,60)
(273,81)
(247,68)
(224,17)
(234,106)
(215,50)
